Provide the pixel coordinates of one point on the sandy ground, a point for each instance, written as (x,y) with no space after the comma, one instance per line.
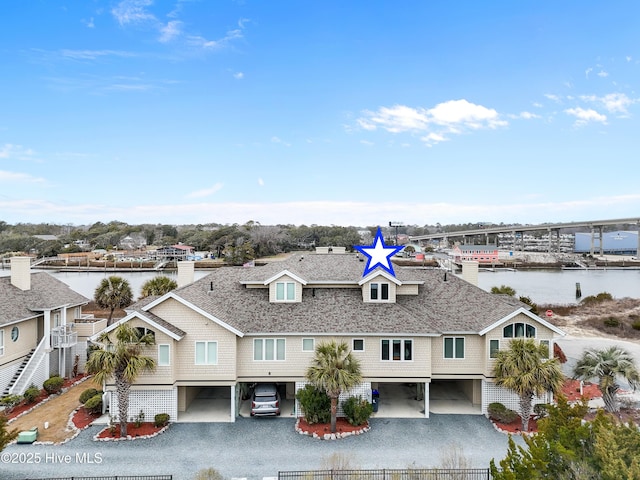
(56,411)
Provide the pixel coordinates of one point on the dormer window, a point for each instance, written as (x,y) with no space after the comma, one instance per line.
(285,291)
(379,292)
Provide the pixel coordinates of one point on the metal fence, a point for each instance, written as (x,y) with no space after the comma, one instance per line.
(112,477)
(411,474)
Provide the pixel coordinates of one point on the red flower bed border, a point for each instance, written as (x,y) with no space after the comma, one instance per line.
(145,430)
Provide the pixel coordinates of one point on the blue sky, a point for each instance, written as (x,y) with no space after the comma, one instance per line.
(331,112)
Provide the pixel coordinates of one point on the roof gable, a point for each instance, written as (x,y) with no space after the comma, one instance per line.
(532,316)
(379,273)
(193,307)
(283,273)
(152,320)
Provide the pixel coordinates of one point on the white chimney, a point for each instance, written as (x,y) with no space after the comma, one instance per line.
(21,272)
(186,271)
(470,272)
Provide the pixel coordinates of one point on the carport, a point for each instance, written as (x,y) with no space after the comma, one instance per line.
(206,403)
(400,400)
(455,396)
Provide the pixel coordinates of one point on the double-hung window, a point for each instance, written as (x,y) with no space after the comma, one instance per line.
(285,291)
(206,353)
(494,347)
(308,344)
(379,292)
(453,347)
(268,349)
(398,350)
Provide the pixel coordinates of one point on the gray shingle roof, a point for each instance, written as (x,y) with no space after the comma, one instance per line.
(440,307)
(46,292)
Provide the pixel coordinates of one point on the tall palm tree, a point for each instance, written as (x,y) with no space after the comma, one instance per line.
(122,360)
(113,292)
(334,369)
(608,365)
(525,369)
(158,286)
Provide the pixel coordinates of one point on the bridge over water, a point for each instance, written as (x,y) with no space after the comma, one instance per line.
(596,227)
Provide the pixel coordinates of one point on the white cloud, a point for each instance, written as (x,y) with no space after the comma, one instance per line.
(367,143)
(201,42)
(279,141)
(613,102)
(603,74)
(447,118)
(528,115)
(170,31)
(93,54)
(238,75)
(205,192)
(261,182)
(17,177)
(587,72)
(19,152)
(553,97)
(132,11)
(584,116)
(89,23)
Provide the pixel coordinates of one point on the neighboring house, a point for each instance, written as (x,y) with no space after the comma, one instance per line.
(475,253)
(39,335)
(240,326)
(173,252)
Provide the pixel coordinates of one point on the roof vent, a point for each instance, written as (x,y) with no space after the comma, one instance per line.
(211,286)
(445,275)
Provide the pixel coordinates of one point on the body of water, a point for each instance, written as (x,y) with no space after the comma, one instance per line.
(541,286)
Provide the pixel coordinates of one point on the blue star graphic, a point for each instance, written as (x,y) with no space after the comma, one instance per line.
(378,255)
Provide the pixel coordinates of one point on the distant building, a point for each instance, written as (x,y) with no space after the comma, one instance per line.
(476,253)
(613,243)
(174,252)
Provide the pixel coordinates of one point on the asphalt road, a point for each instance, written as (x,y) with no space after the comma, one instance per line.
(255,448)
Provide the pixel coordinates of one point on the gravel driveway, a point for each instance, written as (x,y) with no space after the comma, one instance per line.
(255,448)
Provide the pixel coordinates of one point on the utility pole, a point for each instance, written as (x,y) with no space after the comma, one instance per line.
(396,225)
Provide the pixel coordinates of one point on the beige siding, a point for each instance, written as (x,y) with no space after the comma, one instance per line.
(285,278)
(27,339)
(472,364)
(87,329)
(542,333)
(407,289)
(162,374)
(199,328)
(296,361)
(366,290)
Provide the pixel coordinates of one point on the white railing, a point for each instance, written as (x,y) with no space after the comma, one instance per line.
(24,380)
(63,336)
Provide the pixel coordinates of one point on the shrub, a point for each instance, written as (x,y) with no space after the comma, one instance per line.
(94,404)
(315,404)
(500,413)
(599,298)
(541,410)
(53,385)
(611,322)
(31,393)
(636,325)
(10,401)
(87,394)
(208,474)
(357,410)
(161,419)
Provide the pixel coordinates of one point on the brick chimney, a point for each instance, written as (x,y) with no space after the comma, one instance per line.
(21,272)
(186,271)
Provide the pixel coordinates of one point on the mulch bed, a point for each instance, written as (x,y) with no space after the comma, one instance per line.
(343,427)
(82,418)
(146,429)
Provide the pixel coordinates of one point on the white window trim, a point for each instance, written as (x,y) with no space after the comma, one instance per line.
(2,341)
(168,364)
(526,324)
(206,352)
(454,348)
(285,290)
(275,350)
(363,345)
(391,340)
(380,299)
(313,349)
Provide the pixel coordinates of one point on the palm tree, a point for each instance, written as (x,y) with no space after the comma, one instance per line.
(113,292)
(525,369)
(123,360)
(158,286)
(608,365)
(334,370)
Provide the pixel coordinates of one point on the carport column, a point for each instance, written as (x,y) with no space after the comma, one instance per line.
(426,400)
(233,403)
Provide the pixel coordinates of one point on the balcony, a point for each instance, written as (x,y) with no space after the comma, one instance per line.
(64,336)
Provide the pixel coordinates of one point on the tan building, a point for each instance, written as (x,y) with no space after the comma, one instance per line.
(239,326)
(42,328)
